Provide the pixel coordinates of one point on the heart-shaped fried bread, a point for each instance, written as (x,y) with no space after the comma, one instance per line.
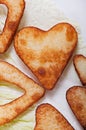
(80,67)
(15,12)
(49,118)
(76,97)
(46,53)
(32,92)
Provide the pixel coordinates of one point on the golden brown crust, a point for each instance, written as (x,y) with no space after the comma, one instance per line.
(76,97)
(15,12)
(46,53)
(49,118)
(80,67)
(32,92)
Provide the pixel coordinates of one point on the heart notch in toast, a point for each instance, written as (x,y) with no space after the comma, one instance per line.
(46,53)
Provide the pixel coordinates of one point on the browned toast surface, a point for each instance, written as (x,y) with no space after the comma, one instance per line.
(32,92)
(46,53)
(76,97)
(80,67)
(15,12)
(49,118)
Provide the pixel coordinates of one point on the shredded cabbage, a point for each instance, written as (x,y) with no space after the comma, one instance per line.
(25,121)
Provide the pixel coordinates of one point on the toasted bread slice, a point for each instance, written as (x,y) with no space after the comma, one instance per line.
(76,97)
(80,67)
(49,118)
(46,53)
(15,12)
(32,92)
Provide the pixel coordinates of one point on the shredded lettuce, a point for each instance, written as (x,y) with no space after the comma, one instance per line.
(26,120)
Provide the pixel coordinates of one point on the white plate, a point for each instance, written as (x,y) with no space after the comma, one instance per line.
(44,14)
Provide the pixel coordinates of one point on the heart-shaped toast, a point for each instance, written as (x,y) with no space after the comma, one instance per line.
(15,12)
(76,97)
(46,53)
(80,67)
(49,118)
(32,92)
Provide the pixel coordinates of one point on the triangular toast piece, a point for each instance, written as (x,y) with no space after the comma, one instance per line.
(15,12)
(76,97)
(49,118)
(80,67)
(32,92)
(46,53)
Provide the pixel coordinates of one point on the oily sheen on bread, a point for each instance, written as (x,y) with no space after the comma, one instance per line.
(76,97)
(32,92)
(49,118)
(15,12)
(46,53)
(80,67)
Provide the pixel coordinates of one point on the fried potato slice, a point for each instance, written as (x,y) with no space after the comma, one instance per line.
(76,97)
(32,92)
(49,118)
(15,12)
(46,53)
(80,67)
